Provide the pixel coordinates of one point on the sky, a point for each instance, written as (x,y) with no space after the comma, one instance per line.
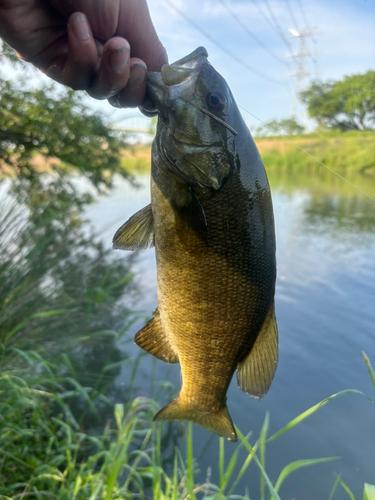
(343,43)
(256,65)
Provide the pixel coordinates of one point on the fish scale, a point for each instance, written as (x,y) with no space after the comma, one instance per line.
(211,221)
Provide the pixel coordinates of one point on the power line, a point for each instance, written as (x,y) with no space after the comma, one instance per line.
(278,27)
(265,17)
(243,25)
(291,14)
(219,45)
(304,17)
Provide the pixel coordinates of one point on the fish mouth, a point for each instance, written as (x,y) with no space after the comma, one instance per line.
(196,54)
(171,74)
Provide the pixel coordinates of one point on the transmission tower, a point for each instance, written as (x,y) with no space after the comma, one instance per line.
(302,71)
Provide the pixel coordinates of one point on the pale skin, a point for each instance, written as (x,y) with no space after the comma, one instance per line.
(102,46)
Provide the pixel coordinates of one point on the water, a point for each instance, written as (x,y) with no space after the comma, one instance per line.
(326,317)
(325,312)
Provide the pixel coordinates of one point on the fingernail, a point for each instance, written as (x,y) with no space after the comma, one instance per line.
(81,27)
(138,75)
(119,59)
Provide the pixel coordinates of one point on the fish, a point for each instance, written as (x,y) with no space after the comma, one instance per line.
(211,222)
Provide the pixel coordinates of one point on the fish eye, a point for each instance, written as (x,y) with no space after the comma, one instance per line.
(215,100)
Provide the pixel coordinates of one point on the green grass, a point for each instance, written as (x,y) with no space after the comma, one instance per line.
(349,152)
(44,450)
(66,431)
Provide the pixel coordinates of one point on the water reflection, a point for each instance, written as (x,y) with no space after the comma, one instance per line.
(50,259)
(324,301)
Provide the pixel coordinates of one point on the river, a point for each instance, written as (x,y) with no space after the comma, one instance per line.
(325,311)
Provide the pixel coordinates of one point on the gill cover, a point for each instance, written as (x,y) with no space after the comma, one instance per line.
(194,104)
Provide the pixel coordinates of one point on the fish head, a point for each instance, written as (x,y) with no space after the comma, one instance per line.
(197,114)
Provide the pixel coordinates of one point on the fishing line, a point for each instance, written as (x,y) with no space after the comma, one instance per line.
(308,154)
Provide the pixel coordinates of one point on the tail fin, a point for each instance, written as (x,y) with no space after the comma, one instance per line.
(218,422)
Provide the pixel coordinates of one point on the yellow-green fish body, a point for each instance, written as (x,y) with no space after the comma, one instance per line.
(211,221)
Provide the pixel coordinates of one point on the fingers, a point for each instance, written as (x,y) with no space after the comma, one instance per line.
(82,56)
(134,93)
(119,78)
(78,68)
(104,72)
(113,72)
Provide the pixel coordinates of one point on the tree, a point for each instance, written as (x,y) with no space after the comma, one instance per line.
(348,104)
(287,126)
(54,123)
(58,125)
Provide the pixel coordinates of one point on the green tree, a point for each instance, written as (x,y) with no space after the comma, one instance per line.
(287,126)
(56,124)
(348,104)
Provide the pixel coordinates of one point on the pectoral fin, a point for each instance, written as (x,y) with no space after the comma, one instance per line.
(153,340)
(256,371)
(137,233)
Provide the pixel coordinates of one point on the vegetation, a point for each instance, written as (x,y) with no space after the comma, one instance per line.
(353,152)
(54,128)
(136,159)
(288,126)
(60,325)
(348,104)
(63,320)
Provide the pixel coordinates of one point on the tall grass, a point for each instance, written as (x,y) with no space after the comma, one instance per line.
(66,431)
(344,152)
(44,451)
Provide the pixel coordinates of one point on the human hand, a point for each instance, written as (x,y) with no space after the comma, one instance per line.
(101,46)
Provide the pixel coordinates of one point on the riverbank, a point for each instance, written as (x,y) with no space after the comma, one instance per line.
(352,152)
(343,152)
(77,399)
(349,152)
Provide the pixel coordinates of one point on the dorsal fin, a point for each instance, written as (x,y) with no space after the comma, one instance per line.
(153,340)
(257,369)
(137,232)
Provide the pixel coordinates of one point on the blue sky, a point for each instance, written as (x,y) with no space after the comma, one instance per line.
(345,44)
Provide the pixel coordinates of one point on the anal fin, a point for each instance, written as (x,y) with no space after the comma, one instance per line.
(218,421)
(153,340)
(137,232)
(256,371)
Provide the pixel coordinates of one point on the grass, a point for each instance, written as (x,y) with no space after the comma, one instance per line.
(63,433)
(45,452)
(136,159)
(350,152)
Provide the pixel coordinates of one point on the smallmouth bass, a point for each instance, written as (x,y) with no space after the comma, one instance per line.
(211,221)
